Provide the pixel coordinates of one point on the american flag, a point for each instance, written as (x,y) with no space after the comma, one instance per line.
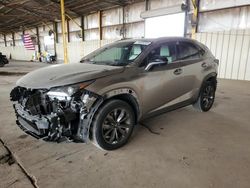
(28,44)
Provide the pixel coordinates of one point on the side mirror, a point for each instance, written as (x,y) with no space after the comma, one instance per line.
(155,62)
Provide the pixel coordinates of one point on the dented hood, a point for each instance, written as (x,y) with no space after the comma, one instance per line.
(65,74)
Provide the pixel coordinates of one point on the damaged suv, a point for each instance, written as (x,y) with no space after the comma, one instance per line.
(104,96)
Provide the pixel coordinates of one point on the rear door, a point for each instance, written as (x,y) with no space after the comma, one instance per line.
(190,58)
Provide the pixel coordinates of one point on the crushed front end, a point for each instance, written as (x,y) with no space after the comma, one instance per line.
(59,114)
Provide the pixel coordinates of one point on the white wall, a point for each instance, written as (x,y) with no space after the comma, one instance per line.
(77,50)
(227,33)
(225,20)
(17,52)
(232,48)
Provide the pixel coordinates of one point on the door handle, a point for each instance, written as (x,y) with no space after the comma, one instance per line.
(204,65)
(178,71)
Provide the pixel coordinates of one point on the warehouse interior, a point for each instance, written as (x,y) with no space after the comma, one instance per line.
(182,148)
(220,26)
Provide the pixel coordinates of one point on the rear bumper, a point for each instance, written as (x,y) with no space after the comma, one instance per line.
(37,126)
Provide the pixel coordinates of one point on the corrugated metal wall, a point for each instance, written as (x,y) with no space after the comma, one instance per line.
(232,48)
(17,52)
(77,50)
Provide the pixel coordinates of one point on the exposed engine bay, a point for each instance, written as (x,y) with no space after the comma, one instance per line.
(54,115)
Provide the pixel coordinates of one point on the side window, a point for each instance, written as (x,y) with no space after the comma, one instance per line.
(187,51)
(134,52)
(168,52)
(165,52)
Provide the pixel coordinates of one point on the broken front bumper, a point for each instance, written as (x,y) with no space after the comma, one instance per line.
(71,122)
(53,117)
(37,126)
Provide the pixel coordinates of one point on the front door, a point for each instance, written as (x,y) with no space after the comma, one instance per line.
(161,85)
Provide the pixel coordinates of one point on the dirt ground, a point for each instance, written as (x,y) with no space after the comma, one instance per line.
(190,150)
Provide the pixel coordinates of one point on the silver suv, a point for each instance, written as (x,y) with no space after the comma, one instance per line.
(104,96)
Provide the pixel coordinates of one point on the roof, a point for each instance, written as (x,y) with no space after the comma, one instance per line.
(20,14)
(160,39)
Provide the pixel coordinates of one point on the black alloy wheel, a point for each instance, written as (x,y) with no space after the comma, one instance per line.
(206,97)
(113,125)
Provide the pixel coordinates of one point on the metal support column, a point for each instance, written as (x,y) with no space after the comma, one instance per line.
(195,17)
(38,43)
(56,32)
(5,42)
(55,37)
(82,27)
(68,32)
(100,28)
(123,23)
(187,10)
(147,5)
(13,39)
(64,32)
(100,24)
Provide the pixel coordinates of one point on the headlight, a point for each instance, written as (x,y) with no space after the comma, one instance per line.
(66,92)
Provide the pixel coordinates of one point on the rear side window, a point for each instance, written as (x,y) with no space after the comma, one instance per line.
(187,51)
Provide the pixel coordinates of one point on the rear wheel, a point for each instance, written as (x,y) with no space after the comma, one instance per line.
(206,97)
(113,125)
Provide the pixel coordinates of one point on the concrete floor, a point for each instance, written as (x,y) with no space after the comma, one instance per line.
(20,67)
(193,149)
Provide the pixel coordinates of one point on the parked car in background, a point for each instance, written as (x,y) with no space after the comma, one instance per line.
(3,60)
(104,96)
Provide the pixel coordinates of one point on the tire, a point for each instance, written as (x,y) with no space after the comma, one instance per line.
(113,125)
(1,64)
(206,97)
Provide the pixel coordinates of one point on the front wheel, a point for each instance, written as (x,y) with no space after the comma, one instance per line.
(113,125)
(206,97)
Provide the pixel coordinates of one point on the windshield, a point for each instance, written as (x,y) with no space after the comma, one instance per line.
(118,54)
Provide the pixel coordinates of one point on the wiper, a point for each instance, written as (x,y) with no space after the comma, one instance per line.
(83,60)
(87,60)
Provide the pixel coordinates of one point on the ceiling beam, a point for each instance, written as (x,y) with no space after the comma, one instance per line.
(57,5)
(17,14)
(114,2)
(22,8)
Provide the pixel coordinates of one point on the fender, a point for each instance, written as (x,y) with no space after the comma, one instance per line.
(128,95)
(210,75)
(87,117)
(120,91)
